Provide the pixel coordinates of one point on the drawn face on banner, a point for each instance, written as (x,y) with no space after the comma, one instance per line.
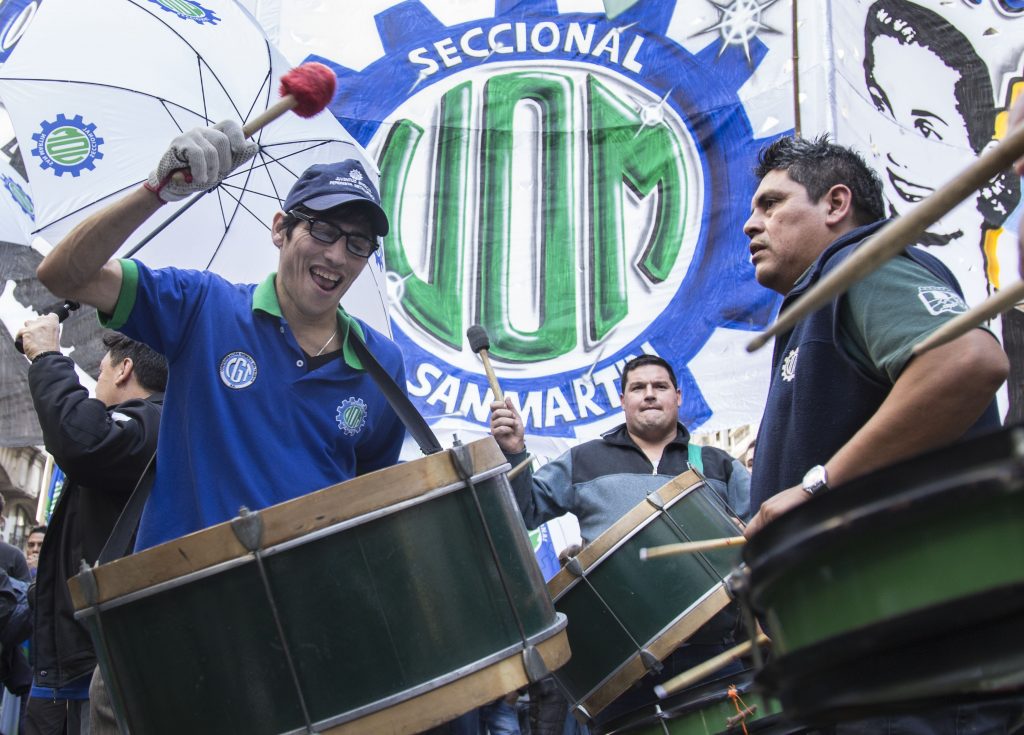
(929,133)
(934,88)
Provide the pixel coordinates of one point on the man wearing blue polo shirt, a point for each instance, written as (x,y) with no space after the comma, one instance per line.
(266,399)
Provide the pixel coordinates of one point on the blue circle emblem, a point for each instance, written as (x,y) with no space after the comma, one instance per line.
(238,370)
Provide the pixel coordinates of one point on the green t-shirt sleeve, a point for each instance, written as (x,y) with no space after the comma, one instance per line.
(884,315)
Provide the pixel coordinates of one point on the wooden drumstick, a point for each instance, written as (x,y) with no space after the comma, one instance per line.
(307,89)
(692,676)
(691,547)
(520,467)
(480,343)
(994,305)
(900,233)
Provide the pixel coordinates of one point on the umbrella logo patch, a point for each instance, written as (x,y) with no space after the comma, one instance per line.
(18,195)
(351,415)
(940,300)
(67,146)
(187,10)
(238,370)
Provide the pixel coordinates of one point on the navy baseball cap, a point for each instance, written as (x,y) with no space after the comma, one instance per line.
(327,185)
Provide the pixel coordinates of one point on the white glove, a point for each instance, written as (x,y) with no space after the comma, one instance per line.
(202,158)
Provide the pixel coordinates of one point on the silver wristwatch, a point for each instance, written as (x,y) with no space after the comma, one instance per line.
(815,480)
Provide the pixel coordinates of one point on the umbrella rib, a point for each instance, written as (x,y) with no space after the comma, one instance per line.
(188,44)
(226,185)
(222,191)
(162,100)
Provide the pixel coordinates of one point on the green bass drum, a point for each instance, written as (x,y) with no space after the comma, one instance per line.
(626,615)
(902,590)
(386,604)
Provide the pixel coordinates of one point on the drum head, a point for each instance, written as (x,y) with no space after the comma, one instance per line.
(900,590)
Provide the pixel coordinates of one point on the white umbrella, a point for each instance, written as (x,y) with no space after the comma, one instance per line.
(96,90)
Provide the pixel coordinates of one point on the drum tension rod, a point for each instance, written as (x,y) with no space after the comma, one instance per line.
(90,588)
(655,499)
(648,659)
(248,529)
(462,460)
(737,584)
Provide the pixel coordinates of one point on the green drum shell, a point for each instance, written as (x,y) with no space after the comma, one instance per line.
(375,609)
(857,585)
(707,710)
(621,601)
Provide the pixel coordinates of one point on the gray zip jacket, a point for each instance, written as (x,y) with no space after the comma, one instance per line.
(599,481)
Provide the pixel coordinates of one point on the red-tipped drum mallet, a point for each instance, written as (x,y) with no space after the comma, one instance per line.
(479,343)
(307,89)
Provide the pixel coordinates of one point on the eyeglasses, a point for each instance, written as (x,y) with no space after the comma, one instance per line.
(329,233)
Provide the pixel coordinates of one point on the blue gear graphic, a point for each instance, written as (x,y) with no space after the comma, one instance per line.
(351,415)
(89,130)
(19,195)
(703,88)
(208,16)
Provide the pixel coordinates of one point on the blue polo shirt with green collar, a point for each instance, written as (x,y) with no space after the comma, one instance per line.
(245,421)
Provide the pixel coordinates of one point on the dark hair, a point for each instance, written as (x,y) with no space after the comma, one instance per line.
(148,366)
(348,209)
(819,164)
(640,361)
(37,529)
(912,24)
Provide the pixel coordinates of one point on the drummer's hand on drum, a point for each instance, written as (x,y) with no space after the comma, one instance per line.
(776,506)
(507,427)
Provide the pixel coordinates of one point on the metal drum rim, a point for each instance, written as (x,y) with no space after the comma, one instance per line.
(832,518)
(449,678)
(228,551)
(661,637)
(292,543)
(792,678)
(641,720)
(620,533)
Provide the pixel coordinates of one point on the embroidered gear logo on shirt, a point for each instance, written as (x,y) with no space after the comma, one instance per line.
(941,300)
(789,365)
(351,415)
(238,370)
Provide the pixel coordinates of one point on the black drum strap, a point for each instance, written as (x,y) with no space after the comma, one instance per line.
(414,422)
(119,542)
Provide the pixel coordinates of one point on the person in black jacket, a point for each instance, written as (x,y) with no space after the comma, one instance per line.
(103,445)
(12,559)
